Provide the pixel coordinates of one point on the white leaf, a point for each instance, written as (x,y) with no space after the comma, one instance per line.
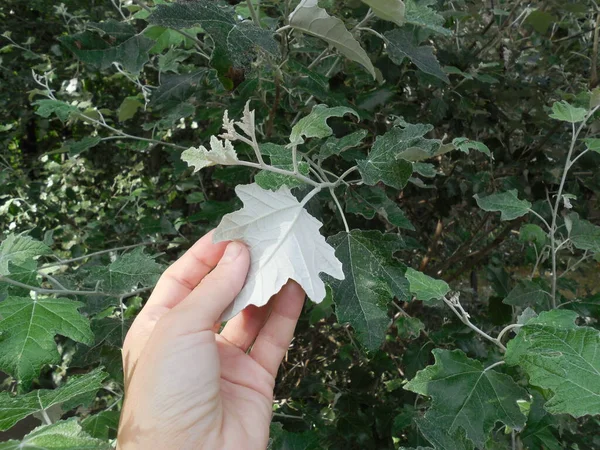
(221,152)
(284,243)
(310,19)
(390,10)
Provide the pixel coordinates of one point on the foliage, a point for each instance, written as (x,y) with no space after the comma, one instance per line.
(445,151)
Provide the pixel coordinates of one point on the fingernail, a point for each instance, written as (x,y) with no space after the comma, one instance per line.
(232,251)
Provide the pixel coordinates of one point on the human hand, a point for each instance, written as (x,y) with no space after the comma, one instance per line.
(187,387)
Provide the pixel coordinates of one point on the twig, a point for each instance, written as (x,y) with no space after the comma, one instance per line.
(62,262)
(456,307)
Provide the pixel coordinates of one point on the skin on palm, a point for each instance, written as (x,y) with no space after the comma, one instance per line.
(189,387)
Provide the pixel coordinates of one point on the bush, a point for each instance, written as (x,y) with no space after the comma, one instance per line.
(447,150)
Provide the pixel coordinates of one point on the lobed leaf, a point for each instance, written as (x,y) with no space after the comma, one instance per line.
(507,203)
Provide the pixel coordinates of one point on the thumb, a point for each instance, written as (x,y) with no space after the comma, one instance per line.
(201,309)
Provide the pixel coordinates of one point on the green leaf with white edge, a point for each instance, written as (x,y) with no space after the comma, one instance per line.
(507,203)
(562,357)
(221,152)
(401,43)
(20,250)
(429,426)
(132,53)
(284,243)
(531,232)
(372,279)
(280,157)
(309,18)
(566,112)
(425,170)
(63,435)
(129,271)
(467,396)
(24,350)
(315,124)
(15,408)
(419,13)
(335,146)
(234,40)
(390,158)
(531,293)
(593,144)
(368,201)
(584,235)
(425,288)
(390,10)
(465,145)
(62,110)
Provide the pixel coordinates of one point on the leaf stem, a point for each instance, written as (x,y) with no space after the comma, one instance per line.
(253,13)
(507,329)
(339,207)
(496,364)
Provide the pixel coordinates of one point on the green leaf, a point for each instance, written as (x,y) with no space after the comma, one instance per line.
(102,424)
(309,18)
(63,435)
(561,357)
(47,107)
(425,170)
(389,158)
(465,395)
(177,89)
(235,42)
(418,13)
(567,112)
(78,147)
(584,235)
(540,20)
(164,38)
(280,157)
(20,250)
(335,146)
(281,439)
(593,144)
(315,124)
(131,52)
(529,293)
(28,328)
(425,288)
(538,434)
(465,145)
(429,426)
(402,44)
(390,10)
(533,233)
(505,202)
(129,107)
(15,408)
(129,271)
(368,201)
(372,279)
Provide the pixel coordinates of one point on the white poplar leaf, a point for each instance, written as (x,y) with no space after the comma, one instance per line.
(390,10)
(310,19)
(284,243)
(221,152)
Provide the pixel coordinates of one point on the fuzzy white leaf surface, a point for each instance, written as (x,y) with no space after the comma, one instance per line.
(284,243)
(221,152)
